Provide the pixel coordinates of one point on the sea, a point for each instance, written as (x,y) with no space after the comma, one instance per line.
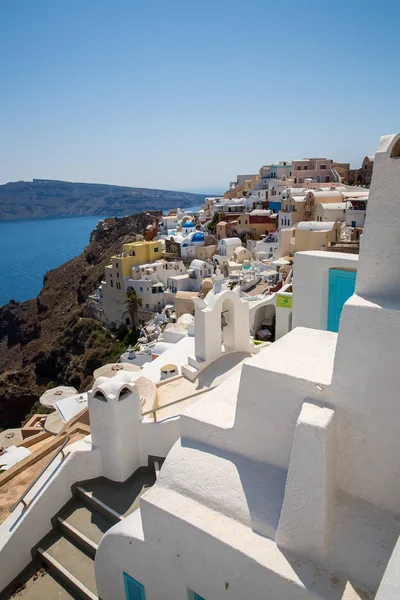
(30,248)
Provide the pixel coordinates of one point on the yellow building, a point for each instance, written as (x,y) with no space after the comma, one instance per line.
(137,253)
(236,192)
(243,223)
(313,235)
(133,254)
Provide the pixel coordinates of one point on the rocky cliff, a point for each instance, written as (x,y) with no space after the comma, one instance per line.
(49,341)
(47,198)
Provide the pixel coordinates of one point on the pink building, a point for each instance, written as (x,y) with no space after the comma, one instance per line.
(318,169)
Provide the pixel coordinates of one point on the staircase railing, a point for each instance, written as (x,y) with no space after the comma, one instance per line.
(153,411)
(30,486)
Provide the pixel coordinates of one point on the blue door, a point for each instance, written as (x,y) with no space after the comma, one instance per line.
(133,589)
(341,287)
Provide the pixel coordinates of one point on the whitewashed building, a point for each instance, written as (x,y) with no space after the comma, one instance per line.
(227,246)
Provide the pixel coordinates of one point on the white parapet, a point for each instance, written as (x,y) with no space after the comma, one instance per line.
(115,417)
(308,506)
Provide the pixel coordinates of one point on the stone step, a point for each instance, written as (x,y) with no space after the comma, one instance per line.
(85,519)
(90,500)
(69,564)
(193,362)
(190,372)
(121,498)
(76,537)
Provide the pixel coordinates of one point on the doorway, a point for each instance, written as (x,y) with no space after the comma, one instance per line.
(341,286)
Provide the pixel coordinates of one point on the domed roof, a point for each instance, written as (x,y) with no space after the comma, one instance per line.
(198,237)
(188,224)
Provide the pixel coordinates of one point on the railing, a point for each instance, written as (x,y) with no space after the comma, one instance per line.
(154,410)
(30,486)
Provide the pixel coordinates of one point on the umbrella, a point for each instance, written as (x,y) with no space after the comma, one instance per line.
(113,368)
(53,423)
(51,396)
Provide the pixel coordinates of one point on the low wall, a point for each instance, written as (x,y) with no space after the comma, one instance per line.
(25,528)
(157,439)
(311,285)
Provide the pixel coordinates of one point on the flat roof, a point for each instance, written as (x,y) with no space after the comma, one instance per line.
(181,294)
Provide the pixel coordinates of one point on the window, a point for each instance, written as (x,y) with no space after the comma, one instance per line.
(155,249)
(133,253)
(117,273)
(305,168)
(147,305)
(327,178)
(300,180)
(141,289)
(116,264)
(299,168)
(133,589)
(111,283)
(322,166)
(127,321)
(353,224)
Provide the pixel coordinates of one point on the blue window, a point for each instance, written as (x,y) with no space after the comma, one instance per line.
(155,249)
(194,596)
(133,589)
(141,289)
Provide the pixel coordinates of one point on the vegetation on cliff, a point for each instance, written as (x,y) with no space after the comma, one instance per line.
(49,341)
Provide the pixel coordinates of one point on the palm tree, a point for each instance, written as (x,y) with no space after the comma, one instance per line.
(133,303)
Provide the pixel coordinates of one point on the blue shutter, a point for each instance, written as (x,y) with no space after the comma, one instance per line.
(133,589)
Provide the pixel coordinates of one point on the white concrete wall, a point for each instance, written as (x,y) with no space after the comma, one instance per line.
(24,529)
(365,386)
(357,216)
(178,556)
(114,425)
(381,240)
(179,283)
(310,285)
(307,512)
(283,322)
(157,439)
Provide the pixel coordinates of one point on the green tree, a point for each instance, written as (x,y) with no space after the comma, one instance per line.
(133,303)
(213,223)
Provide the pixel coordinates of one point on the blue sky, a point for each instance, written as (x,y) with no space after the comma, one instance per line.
(184,95)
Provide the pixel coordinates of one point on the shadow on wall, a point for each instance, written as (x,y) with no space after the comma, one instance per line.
(263,485)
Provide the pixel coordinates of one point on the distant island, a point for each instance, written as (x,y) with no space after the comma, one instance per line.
(49,198)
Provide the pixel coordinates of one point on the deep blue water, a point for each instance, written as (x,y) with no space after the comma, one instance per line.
(30,248)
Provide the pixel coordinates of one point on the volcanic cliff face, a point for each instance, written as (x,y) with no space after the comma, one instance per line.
(47,198)
(49,341)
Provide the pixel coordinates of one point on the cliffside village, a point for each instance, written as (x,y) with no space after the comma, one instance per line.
(248,446)
(250,237)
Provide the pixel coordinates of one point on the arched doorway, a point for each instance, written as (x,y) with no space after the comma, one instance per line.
(264,322)
(228,325)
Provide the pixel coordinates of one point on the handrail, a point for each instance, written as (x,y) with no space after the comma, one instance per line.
(30,486)
(198,393)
